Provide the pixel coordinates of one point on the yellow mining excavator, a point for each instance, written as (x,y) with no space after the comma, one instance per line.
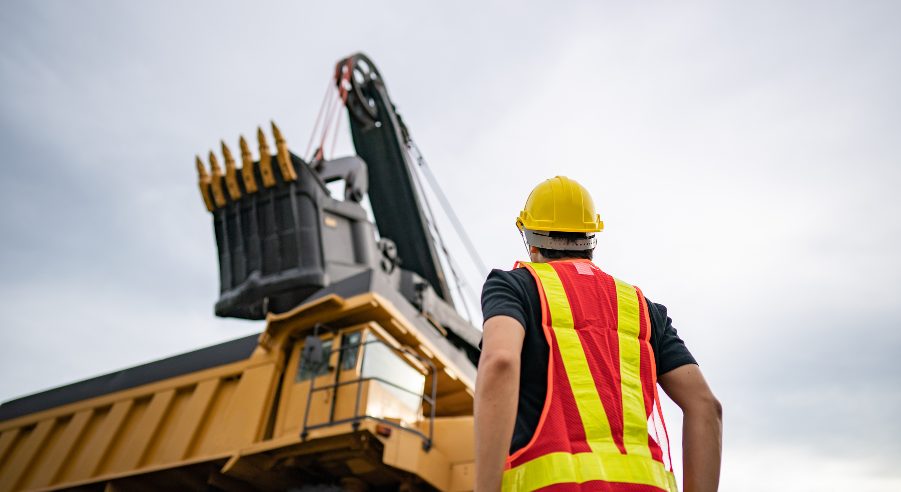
(363,377)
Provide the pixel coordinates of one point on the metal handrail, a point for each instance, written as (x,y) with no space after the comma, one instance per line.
(357,418)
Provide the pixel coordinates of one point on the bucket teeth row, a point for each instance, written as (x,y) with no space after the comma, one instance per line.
(265,160)
(281,153)
(250,182)
(214,185)
(231,174)
(203,181)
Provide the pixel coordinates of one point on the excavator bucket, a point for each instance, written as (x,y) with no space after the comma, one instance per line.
(280,242)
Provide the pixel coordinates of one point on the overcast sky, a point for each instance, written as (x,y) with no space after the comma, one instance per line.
(746,160)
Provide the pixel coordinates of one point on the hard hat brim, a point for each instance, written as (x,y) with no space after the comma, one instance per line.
(546,241)
(523,223)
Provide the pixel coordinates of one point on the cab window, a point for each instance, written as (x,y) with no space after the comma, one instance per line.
(350,353)
(308,369)
(382,362)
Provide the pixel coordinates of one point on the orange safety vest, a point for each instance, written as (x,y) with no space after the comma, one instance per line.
(601,426)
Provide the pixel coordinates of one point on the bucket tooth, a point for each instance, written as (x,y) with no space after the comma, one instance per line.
(250,182)
(203,182)
(281,154)
(231,174)
(265,160)
(216,185)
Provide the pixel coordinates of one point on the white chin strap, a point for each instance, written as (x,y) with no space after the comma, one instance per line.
(543,239)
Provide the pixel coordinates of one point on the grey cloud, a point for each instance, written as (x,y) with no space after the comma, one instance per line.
(822,381)
(734,149)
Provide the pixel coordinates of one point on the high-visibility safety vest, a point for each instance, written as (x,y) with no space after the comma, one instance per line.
(602,427)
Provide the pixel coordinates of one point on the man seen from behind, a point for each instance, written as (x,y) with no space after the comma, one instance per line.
(566,395)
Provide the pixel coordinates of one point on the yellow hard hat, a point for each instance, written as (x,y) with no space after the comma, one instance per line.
(560,204)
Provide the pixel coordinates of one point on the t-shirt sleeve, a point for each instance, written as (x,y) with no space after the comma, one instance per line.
(670,350)
(503,296)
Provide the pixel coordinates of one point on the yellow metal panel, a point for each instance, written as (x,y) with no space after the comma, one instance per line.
(175,447)
(346,398)
(69,470)
(21,460)
(119,433)
(153,455)
(6,443)
(403,450)
(38,463)
(462,477)
(99,402)
(246,411)
(89,459)
(280,326)
(210,427)
(61,449)
(454,437)
(131,455)
(452,403)
(399,327)
(426,351)
(284,425)
(111,462)
(293,401)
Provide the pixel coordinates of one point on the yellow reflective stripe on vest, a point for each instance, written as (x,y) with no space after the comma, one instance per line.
(557,468)
(635,421)
(588,401)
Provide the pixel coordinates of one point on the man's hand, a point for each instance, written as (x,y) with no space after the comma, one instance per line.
(702,427)
(497,387)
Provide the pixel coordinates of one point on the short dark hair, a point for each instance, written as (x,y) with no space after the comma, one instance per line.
(557,254)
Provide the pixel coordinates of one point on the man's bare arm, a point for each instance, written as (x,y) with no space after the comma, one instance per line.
(497,387)
(702,427)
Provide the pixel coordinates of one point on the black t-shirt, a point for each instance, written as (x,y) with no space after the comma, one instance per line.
(515,294)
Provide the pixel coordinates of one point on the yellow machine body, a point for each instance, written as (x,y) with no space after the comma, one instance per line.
(268,422)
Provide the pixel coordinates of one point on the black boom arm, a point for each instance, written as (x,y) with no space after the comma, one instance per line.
(380,138)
